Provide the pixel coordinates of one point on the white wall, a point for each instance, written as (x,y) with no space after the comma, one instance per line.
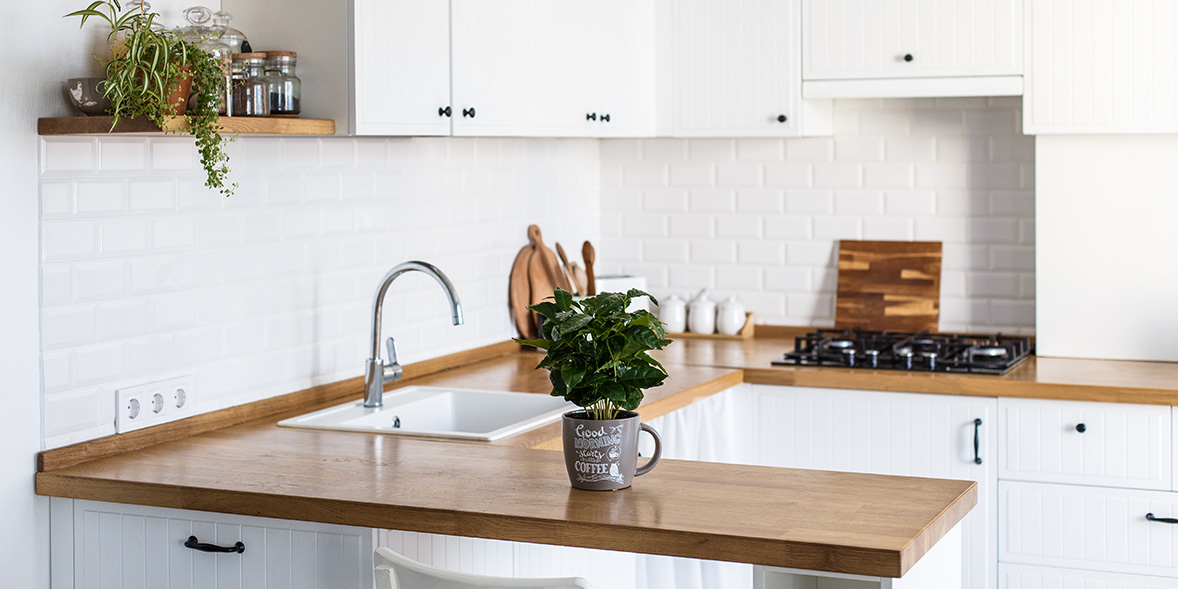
(760,217)
(1107,246)
(148,275)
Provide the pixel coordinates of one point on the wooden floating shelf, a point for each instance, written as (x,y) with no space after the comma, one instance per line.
(229,125)
(745,332)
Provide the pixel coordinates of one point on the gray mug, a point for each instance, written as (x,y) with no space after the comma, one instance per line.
(602,454)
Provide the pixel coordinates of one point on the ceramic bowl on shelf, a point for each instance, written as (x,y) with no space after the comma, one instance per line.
(86,95)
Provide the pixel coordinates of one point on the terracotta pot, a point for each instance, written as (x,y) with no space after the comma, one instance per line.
(178,99)
(602,454)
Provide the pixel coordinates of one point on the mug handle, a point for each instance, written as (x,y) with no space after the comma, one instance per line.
(658,451)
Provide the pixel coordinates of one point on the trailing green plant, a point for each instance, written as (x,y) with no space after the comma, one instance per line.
(147,66)
(598,352)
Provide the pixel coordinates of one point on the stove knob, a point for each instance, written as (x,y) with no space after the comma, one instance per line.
(932,361)
(873,358)
(849,357)
(907,357)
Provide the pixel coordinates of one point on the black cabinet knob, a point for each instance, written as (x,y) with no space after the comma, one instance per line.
(782,118)
(445,112)
(1081,428)
(908,57)
(605,118)
(591,116)
(468,112)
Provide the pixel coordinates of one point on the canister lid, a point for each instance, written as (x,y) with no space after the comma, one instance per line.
(248,56)
(273,54)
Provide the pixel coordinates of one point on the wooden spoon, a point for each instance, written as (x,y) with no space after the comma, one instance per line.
(580,279)
(590,256)
(519,294)
(568,269)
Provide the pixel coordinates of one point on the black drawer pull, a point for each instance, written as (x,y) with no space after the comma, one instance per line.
(1081,428)
(468,112)
(591,116)
(1164,520)
(782,118)
(908,57)
(195,544)
(605,118)
(445,112)
(977,446)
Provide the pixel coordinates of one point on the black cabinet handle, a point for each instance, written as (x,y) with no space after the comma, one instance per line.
(194,544)
(605,118)
(1164,520)
(908,57)
(977,446)
(468,112)
(782,118)
(591,116)
(1081,428)
(445,112)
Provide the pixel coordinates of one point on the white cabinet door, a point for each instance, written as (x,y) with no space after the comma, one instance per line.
(1017,576)
(1106,444)
(891,433)
(1090,528)
(1102,66)
(624,63)
(133,546)
(401,61)
(493,70)
(566,67)
(735,68)
(853,39)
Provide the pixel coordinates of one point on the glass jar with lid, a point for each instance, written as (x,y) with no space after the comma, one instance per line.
(285,86)
(251,92)
(208,38)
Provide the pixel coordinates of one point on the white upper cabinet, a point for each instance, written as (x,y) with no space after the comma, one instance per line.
(540,68)
(402,68)
(735,68)
(912,47)
(1102,66)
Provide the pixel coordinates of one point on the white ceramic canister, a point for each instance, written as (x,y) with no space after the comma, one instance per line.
(730,316)
(673,314)
(701,314)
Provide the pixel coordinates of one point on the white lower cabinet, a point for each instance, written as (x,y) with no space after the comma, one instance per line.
(1017,576)
(890,433)
(100,545)
(1089,528)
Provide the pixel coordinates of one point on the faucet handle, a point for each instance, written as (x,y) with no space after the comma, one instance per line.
(392,368)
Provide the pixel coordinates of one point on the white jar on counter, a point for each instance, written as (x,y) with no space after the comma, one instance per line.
(701,314)
(673,314)
(730,316)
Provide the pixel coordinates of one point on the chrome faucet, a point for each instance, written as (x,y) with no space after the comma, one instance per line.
(376,373)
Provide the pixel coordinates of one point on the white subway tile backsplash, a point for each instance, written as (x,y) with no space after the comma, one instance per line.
(692,277)
(714,151)
(788,227)
(150,354)
(811,253)
(117,154)
(760,150)
(172,310)
(909,203)
(55,285)
(97,281)
(910,149)
(760,200)
(859,149)
(692,225)
(124,237)
(68,240)
(77,410)
(152,195)
(693,175)
(761,252)
(663,151)
(809,149)
(988,285)
(712,200)
(713,251)
(645,225)
(858,202)
(121,318)
(300,152)
(739,175)
(99,198)
(791,175)
(814,202)
(99,363)
(887,229)
(740,226)
(56,199)
(664,199)
(640,176)
(837,228)
(788,278)
(889,175)
(171,154)
(55,367)
(665,251)
(739,278)
(1013,257)
(68,154)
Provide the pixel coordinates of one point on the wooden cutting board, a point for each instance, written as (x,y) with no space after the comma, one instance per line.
(519,294)
(889,285)
(544,271)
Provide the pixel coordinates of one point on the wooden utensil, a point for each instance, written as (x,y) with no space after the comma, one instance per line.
(544,271)
(519,294)
(889,285)
(589,256)
(568,270)
(580,279)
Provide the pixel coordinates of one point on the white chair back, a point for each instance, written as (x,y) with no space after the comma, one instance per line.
(394,571)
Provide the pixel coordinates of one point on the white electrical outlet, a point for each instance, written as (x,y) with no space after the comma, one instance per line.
(153,403)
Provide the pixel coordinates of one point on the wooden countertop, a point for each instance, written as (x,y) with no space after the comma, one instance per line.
(237,461)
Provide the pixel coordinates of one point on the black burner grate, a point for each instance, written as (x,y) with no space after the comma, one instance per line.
(929,352)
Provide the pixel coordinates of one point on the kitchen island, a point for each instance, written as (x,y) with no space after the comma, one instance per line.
(237,461)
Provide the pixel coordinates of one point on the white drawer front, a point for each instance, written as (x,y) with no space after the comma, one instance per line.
(131,546)
(1087,527)
(1121,446)
(1017,576)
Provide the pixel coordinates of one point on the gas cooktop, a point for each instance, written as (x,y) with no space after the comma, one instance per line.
(929,352)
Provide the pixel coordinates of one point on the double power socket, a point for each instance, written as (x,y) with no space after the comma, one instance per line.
(153,403)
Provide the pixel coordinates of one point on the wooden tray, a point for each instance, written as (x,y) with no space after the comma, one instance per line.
(746,332)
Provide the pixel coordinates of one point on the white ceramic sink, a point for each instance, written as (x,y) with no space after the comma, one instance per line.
(441,412)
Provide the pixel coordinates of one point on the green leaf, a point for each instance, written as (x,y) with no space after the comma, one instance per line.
(564,299)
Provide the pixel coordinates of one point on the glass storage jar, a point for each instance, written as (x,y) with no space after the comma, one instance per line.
(251,92)
(285,86)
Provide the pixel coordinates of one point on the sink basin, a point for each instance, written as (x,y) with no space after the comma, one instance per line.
(441,412)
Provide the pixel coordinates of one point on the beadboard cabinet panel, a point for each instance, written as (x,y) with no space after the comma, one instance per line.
(890,433)
(492,70)
(1016,576)
(1101,66)
(401,68)
(1088,528)
(133,546)
(735,68)
(870,39)
(1121,445)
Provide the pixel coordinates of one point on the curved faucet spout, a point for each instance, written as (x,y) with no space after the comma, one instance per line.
(376,373)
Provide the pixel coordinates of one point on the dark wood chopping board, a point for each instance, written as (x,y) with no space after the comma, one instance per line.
(889,285)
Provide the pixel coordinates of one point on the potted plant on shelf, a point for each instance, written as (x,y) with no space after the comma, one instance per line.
(150,74)
(597,358)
